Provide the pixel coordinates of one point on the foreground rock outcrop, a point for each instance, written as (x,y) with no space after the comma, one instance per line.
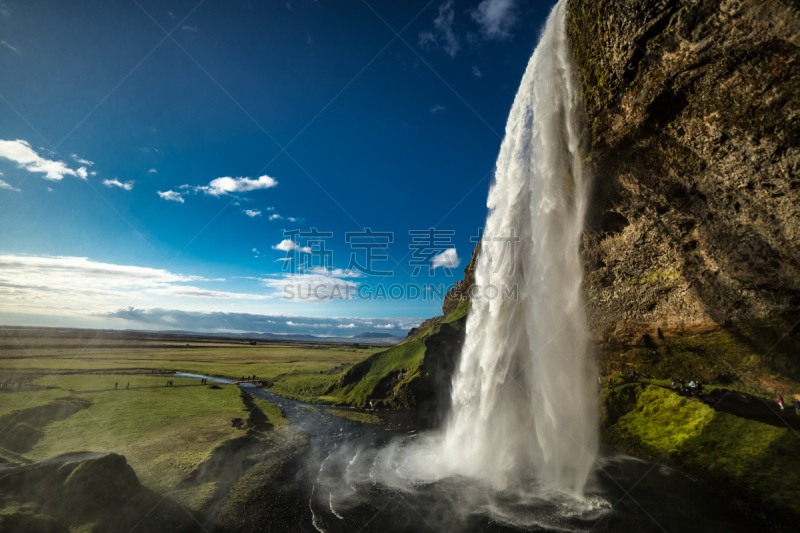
(90,491)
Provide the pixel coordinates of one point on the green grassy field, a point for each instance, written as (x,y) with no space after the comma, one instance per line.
(165,433)
(66,355)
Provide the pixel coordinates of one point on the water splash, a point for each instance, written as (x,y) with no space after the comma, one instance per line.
(521,395)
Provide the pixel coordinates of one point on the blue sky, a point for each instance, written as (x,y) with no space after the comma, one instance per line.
(153,154)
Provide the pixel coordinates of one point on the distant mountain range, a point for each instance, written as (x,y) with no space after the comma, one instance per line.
(375,335)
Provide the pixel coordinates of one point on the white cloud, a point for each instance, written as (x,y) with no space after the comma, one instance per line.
(476,72)
(438,109)
(295,219)
(496,18)
(386,326)
(184,186)
(347,326)
(4,185)
(336,272)
(448,259)
(275,216)
(187,291)
(255,250)
(128,185)
(301,324)
(157,318)
(61,279)
(189,28)
(171,195)
(78,283)
(82,173)
(222,186)
(21,153)
(286,245)
(7,45)
(442,33)
(82,161)
(153,171)
(252,213)
(270,209)
(311,288)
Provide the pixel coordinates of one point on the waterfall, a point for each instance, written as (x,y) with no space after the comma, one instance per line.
(522,399)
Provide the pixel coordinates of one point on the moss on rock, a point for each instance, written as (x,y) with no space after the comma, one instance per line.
(745,458)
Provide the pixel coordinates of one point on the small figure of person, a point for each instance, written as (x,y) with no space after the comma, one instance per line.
(609,382)
(115,385)
(683,384)
(128,386)
(780,401)
(692,387)
(672,381)
(796,404)
(699,388)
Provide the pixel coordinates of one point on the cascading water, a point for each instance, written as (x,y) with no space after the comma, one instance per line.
(521,395)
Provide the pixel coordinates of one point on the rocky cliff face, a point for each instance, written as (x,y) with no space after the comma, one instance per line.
(692,142)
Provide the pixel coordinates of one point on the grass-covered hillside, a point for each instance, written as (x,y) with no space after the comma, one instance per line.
(412,374)
(747,458)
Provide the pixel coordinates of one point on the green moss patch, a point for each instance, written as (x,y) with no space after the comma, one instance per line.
(743,457)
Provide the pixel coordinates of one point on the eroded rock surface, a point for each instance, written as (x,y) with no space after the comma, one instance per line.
(692,142)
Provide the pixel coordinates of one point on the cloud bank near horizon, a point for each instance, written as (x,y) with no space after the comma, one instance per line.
(225,322)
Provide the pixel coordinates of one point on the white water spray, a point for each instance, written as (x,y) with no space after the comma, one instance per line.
(521,397)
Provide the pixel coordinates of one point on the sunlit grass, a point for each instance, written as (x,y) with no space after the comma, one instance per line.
(743,456)
(234,360)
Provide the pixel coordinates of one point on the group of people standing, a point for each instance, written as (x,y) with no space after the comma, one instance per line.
(795,404)
(694,387)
